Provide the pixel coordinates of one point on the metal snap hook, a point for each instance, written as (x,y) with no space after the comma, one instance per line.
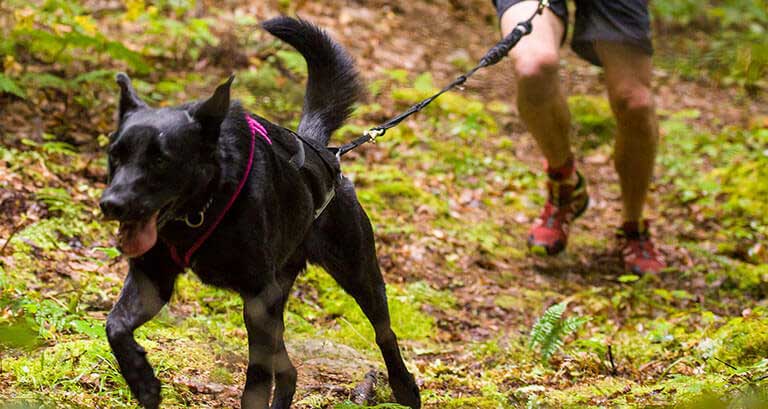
(201,215)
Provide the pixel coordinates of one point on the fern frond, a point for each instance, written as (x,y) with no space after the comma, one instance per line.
(550,330)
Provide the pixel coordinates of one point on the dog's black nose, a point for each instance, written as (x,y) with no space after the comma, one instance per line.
(112,208)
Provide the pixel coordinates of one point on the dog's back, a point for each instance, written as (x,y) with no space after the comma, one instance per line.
(333,85)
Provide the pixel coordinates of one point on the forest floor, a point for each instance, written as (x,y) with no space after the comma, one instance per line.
(451,193)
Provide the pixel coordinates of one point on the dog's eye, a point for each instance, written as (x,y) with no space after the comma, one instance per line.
(160,162)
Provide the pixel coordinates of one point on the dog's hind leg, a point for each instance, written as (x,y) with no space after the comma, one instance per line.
(147,288)
(342,242)
(285,372)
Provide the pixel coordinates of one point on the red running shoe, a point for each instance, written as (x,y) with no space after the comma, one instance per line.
(566,202)
(637,250)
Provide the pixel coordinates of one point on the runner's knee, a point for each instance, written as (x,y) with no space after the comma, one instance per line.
(537,65)
(632,101)
(537,76)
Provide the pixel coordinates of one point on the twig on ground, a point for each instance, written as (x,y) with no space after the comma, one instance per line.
(364,391)
(15,230)
(610,359)
(746,376)
(725,363)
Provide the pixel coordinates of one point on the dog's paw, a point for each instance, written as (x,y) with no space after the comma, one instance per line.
(147,392)
(281,403)
(406,391)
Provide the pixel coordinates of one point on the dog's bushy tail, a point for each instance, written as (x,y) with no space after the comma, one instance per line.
(333,84)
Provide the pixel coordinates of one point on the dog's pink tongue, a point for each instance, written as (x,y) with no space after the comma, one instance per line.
(136,238)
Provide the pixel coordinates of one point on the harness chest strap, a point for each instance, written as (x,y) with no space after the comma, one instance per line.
(255,128)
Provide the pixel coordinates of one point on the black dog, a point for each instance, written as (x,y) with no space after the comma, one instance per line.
(246,204)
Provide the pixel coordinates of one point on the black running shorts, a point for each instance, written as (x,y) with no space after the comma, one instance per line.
(624,21)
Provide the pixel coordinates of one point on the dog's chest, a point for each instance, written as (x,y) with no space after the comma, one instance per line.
(240,265)
(224,276)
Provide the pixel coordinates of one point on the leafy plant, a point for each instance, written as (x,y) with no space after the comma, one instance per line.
(59,200)
(9,86)
(77,46)
(550,330)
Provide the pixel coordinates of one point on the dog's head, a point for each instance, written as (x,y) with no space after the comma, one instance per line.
(157,157)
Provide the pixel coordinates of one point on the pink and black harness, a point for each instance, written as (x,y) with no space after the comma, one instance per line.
(255,127)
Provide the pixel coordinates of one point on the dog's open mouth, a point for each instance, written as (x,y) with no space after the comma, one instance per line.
(137,237)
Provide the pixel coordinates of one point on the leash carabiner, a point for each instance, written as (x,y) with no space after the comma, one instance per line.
(374,133)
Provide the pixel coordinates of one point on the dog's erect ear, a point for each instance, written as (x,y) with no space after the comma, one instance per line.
(129,100)
(212,111)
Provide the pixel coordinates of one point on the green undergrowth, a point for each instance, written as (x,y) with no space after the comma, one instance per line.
(390,187)
(56,347)
(720,175)
(83,54)
(684,366)
(342,320)
(721,40)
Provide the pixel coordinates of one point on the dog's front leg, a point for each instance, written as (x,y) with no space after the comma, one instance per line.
(142,297)
(262,320)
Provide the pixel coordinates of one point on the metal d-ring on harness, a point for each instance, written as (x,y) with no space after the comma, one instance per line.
(200,216)
(493,56)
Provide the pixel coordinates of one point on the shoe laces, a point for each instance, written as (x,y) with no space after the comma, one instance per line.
(639,244)
(558,207)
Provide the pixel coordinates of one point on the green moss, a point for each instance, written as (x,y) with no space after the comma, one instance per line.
(350,405)
(423,293)
(641,347)
(683,390)
(485,236)
(471,403)
(749,277)
(486,350)
(390,188)
(221,375)
(744,341)
(509,302)
(582,395)
(18,334)
(77,367)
